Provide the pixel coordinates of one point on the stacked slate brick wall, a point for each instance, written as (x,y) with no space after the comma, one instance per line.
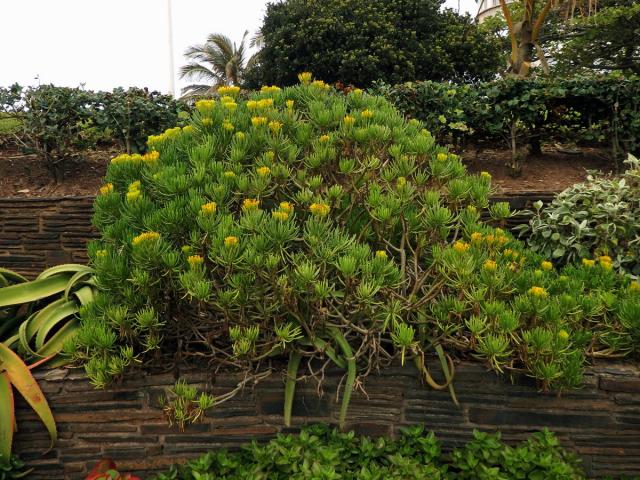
(600,422)
(36,233)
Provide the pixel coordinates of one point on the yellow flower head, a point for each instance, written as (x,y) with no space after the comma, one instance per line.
(605,261)
(441,157)
(348,120)
(289,104)
(106,188)
(258,121)
(286,206)
(252,104)
(270,155)
(240,136)
(366,113)
(133,195)
(231,106)
(228,126)
(280,215)
(563,334)
(320,84)
(151,157)
(357,91)
(263,171)
(205,105)
(230,241)
(486,175)
(250,204)
(490,265)
(305,77)
(134,185)
(101,253)
(229,174)
(226,99)
(209,208)
(381,254)
(275,126)
(270,89)
(401,181)
(460,246)
(539,292)
(324,138)
(195,260)
(207,122)
(231,90)
(546,265)
(634,286)
(188,129)
(145,237)
(476,237)
(172,132)
(320,209)
(588,263)
(122,158)
(265,103)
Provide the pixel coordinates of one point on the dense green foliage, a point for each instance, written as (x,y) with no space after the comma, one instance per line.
(603,110)
(357,42)
(591,219)
(315,225)
(58,122)
(321,453)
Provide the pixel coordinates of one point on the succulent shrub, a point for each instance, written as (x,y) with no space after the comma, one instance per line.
(320,226)
(592,219)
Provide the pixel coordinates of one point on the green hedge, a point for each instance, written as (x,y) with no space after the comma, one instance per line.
(603,111)
(57,122)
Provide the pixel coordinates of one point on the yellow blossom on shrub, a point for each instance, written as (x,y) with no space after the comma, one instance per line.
(320,209)
(240,135)
(106,188)
(588,263)
(195,260)
(476,237)
(250,204)
(401,181)
(275,126)
(101,253)
(151,157)
(231,106)
(123,157)
(357,91)
(228,126)
(230,241)
(134,185)
(563,334)
(188,129)
(381,254)
(546,265)
(265,103)
(229,174)
(605,259)
(258,121)
(441,157)
(133,195)
(145,237)
(305,77)
(324,138)
(252,104)
(320,84)
(270,155)
(207,122)
(286,206)
(270,89)
(263,171)
(209,208)
(205,105)
(232,90)
(289,104)
(460,246)
(348,120)
(539,292)
(486,175)
(280,215)
(366,113)
(490,265)
(634,286)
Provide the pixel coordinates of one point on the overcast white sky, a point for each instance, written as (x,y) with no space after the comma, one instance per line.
(109,43)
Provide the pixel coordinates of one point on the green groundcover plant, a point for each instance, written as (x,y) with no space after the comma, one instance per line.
(324,228)
(321,453)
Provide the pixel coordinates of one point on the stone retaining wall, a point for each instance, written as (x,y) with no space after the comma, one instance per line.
(36,233)
(600,422)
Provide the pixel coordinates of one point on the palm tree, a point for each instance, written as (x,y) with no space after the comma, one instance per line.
(216,62)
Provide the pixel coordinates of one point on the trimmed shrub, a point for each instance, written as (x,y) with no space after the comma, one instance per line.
(312,225)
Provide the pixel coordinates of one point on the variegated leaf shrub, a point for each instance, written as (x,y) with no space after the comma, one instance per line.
(308,224)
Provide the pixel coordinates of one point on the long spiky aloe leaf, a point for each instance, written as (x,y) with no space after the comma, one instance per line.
(290,385)
(351,373)
(67,269)
(32,291)
(7,415)
(21,378)
(12,277)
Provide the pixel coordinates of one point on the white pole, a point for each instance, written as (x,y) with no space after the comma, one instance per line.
(172,75)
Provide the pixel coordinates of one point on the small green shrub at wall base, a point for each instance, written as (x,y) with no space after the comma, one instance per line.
(322,453)
(304,225)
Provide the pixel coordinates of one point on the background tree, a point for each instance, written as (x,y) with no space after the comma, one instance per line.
(358,42)
(218,61)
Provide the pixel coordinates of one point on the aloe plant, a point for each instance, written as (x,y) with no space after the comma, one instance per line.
(36,318)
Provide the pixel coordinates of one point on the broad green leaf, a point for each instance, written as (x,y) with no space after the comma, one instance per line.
(21,378)
(67,268)
(31,291)
(7,415)
(55,343)
(59,314)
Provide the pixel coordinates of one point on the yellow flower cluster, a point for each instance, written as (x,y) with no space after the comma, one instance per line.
(286,206)
(381,254)
(605,262)
(207,122)
(563,334)
(240,135)
(546,265)
(263,171)
(476,237)
(275,126)
(195,260)
(324,138)
(231,106)
(260,104)
(539,292)
(441,157)
(228,126)
(101,253)
(133,192)
(348,120)
(188,129)
(280,215)
(230,241)
(229,174)
(366,113)
(357,91)
(588,262)
(305,77)
(320,84)
(209,208)
(289,104)
(151,157)
(491,239)
(170,133)
(635,286)
(320,209)
(486,175)
(204,106)
(490,265)
(270,89)
(460,246)
(258,121)
(145,237)
(106,188)
(250,204)
(232,90)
